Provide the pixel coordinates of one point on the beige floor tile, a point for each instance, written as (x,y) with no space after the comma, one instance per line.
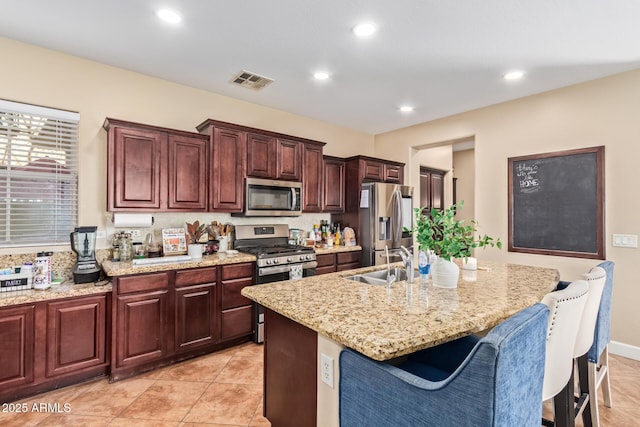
(104,399)
(165,400)
(242,370)
(66,420)
(130,422)
(249,350)
(21,419)
(226,404)
(202,369)
(258,420)
(209,425)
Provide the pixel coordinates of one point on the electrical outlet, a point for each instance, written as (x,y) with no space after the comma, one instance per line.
(134,233)
(625,240)
(326,369)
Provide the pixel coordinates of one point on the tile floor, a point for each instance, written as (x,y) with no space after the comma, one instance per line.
(224,389)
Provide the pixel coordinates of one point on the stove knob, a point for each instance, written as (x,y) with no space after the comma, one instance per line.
(276,260)
(307,257)
(268,262)
(290,259)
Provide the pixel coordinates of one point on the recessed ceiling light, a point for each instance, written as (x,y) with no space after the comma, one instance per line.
(321,75)
(406,108)
(168,16)
(514,75)
(364,30)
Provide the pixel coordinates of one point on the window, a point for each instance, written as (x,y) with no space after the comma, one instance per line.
(38,174)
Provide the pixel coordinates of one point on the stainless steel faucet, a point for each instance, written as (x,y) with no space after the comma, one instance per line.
(407,260)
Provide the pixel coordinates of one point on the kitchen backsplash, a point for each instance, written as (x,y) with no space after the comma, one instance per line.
(62,262)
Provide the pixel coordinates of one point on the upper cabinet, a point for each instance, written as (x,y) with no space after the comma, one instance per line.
(273,158)
(228,163)
(378,170)
(333,185)
(153,168)
(312,165)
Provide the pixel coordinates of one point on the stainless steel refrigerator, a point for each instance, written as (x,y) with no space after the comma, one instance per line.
(385,210)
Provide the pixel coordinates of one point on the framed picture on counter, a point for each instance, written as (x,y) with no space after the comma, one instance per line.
(174,241)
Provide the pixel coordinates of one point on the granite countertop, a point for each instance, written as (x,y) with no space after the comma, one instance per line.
(124,268)
(384,325)
(336,249)
(66,289)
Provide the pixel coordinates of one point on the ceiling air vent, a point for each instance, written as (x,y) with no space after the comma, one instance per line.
(251,80)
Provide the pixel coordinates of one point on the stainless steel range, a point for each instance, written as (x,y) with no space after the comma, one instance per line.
(277,259)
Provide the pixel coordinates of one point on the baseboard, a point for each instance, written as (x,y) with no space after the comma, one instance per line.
(624,350)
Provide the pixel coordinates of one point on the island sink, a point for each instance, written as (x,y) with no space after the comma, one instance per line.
(379,277)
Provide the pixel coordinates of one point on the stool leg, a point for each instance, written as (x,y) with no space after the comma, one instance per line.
(563,406)
(593,385)
(606,388)
(585,390)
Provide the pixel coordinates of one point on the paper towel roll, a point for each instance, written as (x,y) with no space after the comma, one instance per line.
(132,220)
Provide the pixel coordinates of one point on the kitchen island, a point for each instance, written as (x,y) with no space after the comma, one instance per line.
(378,323)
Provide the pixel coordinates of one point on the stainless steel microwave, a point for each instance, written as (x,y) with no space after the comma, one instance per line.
(269,197)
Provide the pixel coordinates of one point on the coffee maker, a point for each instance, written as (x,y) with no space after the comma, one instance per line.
(83,243)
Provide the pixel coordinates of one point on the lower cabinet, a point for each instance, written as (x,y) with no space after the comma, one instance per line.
(165,317)
(17,340)
(76,334)
(339,261)
(51,344)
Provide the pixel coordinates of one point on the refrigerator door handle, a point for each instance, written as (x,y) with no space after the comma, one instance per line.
(396,214)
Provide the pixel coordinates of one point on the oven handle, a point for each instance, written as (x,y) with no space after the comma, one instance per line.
(265,271)
(294,201)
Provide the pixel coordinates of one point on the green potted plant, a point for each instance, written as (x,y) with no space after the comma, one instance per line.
(448,238)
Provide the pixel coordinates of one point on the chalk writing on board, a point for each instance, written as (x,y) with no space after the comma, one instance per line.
(527,175)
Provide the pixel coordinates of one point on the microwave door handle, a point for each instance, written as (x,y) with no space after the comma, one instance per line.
(294,199)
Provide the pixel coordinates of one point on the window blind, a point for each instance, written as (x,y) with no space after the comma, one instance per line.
(38,174)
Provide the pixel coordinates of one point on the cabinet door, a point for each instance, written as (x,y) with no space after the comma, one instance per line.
(187,172)
(135,175)
(326,263)
(372,170)
(348,260)
(333,188)
(196,316)
(17,338)
(261,156)
(289,157)
(393,173)
(141,328)
(76,334)
(312,178)
(437,191)
(237,322)
(228,167)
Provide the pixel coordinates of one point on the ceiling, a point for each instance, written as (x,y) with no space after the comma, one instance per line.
(441,57)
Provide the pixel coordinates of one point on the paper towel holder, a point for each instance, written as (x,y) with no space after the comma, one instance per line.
(133,220)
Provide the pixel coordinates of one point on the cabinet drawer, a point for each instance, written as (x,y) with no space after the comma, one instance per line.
(237,322)
(348,257)
(327,269)
(350,266)
(231,296)
(196,276)
(146,282)
(236,271)
(325,260)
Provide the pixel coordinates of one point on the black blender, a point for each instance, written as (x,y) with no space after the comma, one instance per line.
(83,243)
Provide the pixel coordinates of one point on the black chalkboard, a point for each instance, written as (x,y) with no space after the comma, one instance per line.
(556,203)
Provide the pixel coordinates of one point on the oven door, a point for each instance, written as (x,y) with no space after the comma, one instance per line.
(270,275)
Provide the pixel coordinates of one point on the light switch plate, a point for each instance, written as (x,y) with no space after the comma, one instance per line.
(625,240)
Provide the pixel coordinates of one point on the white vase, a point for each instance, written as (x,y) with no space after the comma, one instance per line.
(445,273)
(194,251)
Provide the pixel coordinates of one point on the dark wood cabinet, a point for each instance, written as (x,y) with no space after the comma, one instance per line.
(339,261)
(17,341)
(274,158)
(187,172)
(136,157)
(392,173)
(196,308)
(333,185)
(237,310)
(372,170)
(312,166)
(153,168)
(431,189)
(141,324)
(228,162)
(289,159)
(76,334)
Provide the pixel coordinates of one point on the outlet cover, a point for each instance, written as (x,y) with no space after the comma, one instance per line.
(625,240)
(326,369)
